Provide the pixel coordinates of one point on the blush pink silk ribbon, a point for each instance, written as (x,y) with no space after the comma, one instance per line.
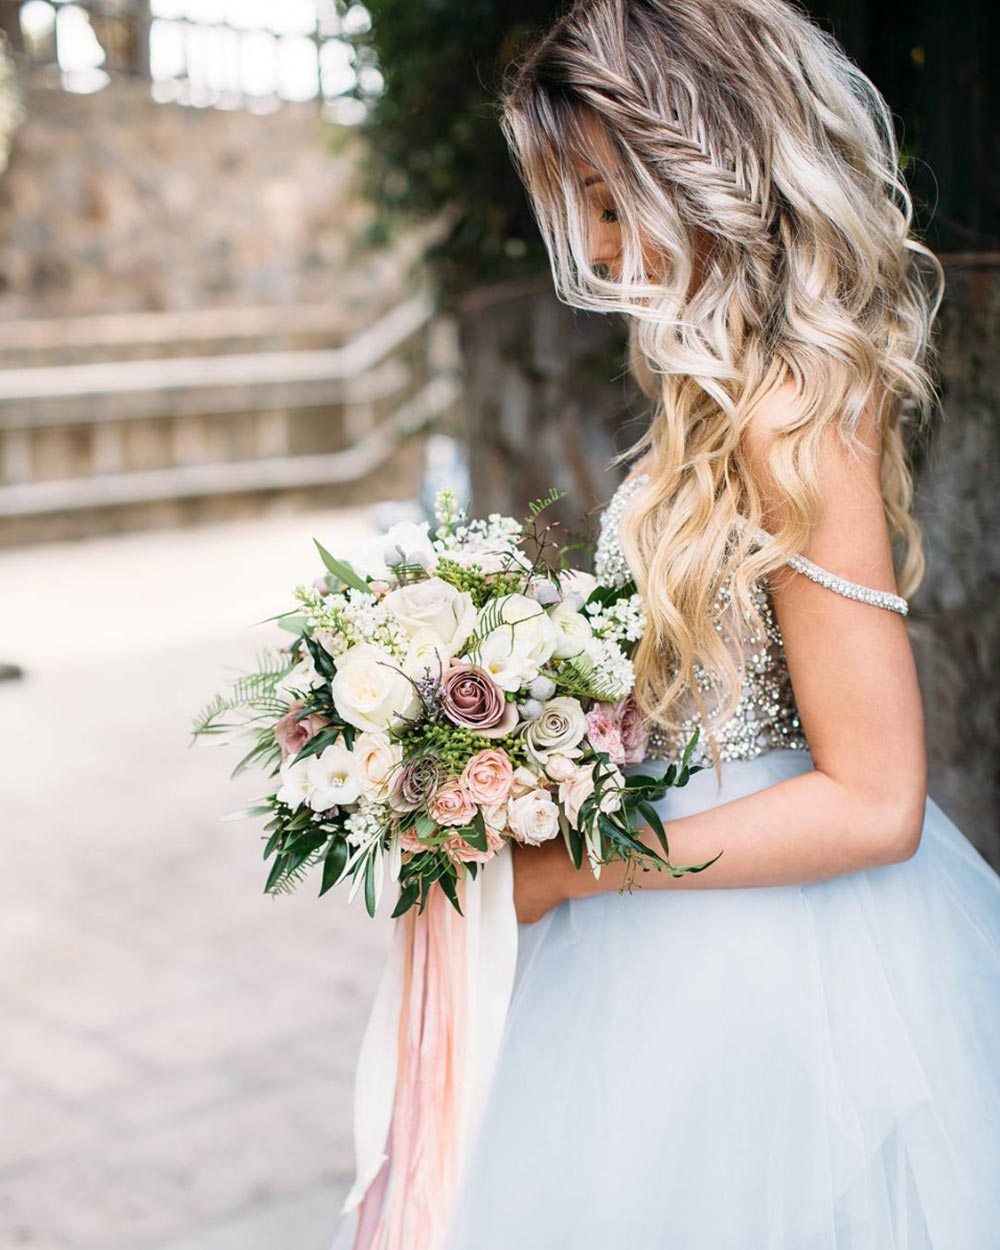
(427,1059)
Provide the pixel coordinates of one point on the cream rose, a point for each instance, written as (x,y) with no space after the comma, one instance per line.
(560,728)
(369,690)
(378,761)
(436,605)
(533,818)
(522,639)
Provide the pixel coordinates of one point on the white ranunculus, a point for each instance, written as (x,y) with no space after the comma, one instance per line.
(409,535)
(522,639)
(302,676)
(533,817)
(369,690)
(426,650)
(495,815)
(377,760)
(580,784)
(573,630)
(576,586)
(333,778)
(559,729)
(295,783)
(437,605)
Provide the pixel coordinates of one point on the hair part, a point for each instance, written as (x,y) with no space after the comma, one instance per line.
(766,232)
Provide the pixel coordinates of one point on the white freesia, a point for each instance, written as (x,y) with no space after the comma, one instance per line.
(333,778)
(302,676)
(533,817)
(573,630)
(295,783)
(369,690)
(409,536)
(377,760)
(522,640)
(437,605)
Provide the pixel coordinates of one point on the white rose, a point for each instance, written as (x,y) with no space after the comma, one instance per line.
(580,784)
(426,650)
(369,690)
(522,640)
(333,778)
(560,728)
(533,818)
(295,783)
(377,761)
(437,605)
(409,535)
(573,630)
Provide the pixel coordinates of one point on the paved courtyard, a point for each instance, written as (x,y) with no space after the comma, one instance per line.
(176,1049)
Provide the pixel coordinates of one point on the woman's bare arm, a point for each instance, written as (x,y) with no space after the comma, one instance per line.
(855,684)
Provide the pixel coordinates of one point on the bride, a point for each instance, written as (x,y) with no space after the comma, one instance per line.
(797,1048)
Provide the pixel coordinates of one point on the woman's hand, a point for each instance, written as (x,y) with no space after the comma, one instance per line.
(541,877)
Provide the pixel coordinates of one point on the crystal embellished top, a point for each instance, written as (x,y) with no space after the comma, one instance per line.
(766,717)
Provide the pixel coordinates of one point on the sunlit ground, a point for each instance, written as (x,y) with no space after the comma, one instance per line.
(177,1049)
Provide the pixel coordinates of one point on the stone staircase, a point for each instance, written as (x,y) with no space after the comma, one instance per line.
(167,418)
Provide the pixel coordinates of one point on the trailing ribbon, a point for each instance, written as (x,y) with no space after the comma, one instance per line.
(427,1059)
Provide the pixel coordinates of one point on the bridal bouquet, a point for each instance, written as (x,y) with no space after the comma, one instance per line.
(442,693)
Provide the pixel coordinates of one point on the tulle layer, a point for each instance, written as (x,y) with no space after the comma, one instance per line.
(784,1068)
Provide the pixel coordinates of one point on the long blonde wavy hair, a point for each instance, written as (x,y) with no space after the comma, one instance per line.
(758,167)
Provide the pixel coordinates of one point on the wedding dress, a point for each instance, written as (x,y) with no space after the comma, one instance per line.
(806,1067)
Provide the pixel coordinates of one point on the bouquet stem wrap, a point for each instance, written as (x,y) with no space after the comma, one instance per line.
(427,1059)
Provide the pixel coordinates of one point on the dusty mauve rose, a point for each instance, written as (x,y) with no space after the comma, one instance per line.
(414,783)
(471,698)
(604,732)
(451,803)
(458,849)
(487,776)
(292,734)
(634,730)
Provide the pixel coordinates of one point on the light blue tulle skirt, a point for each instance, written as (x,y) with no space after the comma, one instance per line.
(807,1067)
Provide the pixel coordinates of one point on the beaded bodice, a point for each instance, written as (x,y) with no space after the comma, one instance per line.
(766,716)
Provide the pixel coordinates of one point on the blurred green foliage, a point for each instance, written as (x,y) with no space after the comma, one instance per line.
(434,143)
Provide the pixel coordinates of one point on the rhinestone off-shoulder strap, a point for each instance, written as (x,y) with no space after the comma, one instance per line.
(610,562)
(840,585)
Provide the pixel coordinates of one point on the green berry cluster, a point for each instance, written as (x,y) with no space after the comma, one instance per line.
(481,586)
(455,746)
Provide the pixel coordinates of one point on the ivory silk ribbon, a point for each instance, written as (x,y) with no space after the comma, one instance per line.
(427,1059)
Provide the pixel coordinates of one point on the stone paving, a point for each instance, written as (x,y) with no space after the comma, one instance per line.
(176,1048)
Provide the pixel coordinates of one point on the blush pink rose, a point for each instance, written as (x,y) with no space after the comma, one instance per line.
(462,851)
(487,776)
(292,734)
(604,731)
(410,841)
(634,730)
(451,803)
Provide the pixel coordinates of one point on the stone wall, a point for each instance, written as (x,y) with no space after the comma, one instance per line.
(956,619)
(113,202)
